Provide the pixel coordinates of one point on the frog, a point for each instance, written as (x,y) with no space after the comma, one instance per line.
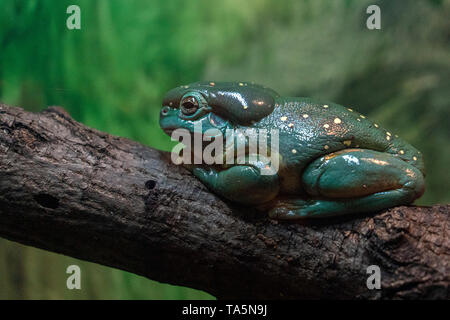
(332,160)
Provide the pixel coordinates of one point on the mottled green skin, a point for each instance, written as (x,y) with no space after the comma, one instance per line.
(333,160)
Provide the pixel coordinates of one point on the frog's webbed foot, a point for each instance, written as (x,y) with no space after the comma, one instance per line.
(240,183)
(353,181)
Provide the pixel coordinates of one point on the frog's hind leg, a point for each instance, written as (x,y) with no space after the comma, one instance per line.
(351,181)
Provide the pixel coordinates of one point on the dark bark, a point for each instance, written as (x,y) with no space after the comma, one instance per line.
(83,193)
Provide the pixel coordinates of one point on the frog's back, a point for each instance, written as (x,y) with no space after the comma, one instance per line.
(310,129)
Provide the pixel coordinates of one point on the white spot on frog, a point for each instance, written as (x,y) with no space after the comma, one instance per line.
(351,159)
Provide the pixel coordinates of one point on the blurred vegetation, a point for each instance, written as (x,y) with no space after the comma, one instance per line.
(112,74)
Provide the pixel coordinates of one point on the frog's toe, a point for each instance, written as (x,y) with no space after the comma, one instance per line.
(207,176)
(200,172)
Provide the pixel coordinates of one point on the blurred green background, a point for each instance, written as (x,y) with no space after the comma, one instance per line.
(112,74)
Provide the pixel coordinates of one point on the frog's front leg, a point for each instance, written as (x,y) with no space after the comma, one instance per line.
(353,181)
(240,183)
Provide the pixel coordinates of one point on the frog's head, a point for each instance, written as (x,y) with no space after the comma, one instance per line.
(215,105)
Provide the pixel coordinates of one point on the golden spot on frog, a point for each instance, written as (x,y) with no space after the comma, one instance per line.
(326,147)
(294,151)
(185,87)
(245,107)
(283,118)
(337,121)
(347,142)
(415,158)
(388,138)
(305,116)
(241,84)
(358,119)
(290,125)
(362,116)
(326,125)
(325,106)
(388,133)
(212,84)
(410,173)
(401,152)
(351,110)
(376,125)
(331,155)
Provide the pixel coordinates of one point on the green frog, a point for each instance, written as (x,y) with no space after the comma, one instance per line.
(331,159)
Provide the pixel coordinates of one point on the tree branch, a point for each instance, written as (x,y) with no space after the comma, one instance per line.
(83,193)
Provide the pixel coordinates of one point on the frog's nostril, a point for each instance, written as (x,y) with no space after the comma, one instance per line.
(165,111)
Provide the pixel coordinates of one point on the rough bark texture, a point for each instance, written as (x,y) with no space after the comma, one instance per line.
(83,193)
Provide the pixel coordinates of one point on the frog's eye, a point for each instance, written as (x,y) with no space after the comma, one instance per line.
(189,105)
